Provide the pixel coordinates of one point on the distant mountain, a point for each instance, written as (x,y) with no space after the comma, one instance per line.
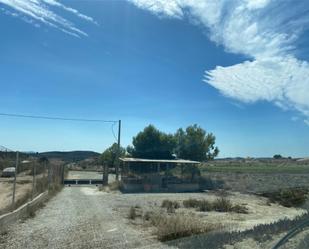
(4,149)
(69,156)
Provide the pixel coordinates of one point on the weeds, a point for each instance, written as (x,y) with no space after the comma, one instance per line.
(288,197)
(132,213)
(116,185)
(220,205)
(191,203)
(205,206)
(170,205)
(147,215)
(167,203)
(169,227)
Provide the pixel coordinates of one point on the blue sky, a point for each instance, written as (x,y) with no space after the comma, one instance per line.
(237,68)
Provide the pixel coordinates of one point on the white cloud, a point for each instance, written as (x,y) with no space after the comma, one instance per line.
(161,7)
(40,11)
(266,31)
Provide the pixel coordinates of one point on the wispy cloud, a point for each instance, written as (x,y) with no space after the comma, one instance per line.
(266,31)
(40,11)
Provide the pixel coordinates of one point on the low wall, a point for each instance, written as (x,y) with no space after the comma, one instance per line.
(21,212)
(173,188)
(183,187)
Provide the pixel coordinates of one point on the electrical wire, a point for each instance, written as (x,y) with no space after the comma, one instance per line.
(57,118)
(114,132)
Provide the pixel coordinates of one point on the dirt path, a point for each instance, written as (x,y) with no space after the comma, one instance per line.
(78,217)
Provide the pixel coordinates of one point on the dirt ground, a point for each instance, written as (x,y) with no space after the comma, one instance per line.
(84,217)
(23,187)
(260,211)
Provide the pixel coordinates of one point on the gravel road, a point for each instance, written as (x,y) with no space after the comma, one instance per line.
(78,217)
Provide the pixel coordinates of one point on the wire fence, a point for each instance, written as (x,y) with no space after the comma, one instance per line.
(24,176)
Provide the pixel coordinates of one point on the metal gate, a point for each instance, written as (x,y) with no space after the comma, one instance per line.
(82,182)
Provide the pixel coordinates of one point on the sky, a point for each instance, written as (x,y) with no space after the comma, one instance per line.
(237,68)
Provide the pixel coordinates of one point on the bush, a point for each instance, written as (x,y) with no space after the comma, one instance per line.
(175,226)
(170,205)
(191,203)
(205,206)
(288,197)
(240,209)
(222,205)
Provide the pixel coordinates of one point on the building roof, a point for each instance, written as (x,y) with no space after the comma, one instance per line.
(129,159)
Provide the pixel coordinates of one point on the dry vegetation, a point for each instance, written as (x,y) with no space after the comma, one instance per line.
(177,225)
(221,204)
(26,189)
(294,197)
(112,186)
(178,219)
(170,225)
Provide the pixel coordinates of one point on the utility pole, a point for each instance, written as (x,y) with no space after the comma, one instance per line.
(118,151)
(14,185)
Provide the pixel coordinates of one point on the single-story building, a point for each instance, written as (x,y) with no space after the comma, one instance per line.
(154,175)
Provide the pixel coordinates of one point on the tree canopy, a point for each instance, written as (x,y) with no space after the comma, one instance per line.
(152,144)
(109,156)
(193,143)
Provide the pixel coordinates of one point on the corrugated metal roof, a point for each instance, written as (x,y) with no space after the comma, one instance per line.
(129,159)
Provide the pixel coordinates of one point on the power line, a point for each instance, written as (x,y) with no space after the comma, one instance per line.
(114,135)
(57,118)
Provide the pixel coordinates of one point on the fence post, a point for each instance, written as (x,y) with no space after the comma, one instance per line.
(62,174)
(105,174)
(14,184)
(49,176)
(33,181)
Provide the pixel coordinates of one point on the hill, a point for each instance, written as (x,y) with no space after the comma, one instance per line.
(69,156)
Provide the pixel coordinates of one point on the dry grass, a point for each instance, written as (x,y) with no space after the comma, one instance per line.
(113,186)
(219,205)
(170,205)
(294,197)
(132,213)
(191,203)
(178,225)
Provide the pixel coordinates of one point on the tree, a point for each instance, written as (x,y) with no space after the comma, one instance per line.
(195,143)
(153,144)
(109,156)
(277,156)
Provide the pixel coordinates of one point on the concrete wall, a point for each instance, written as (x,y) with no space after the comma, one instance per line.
(183,187)
(178,187)
(22,212)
